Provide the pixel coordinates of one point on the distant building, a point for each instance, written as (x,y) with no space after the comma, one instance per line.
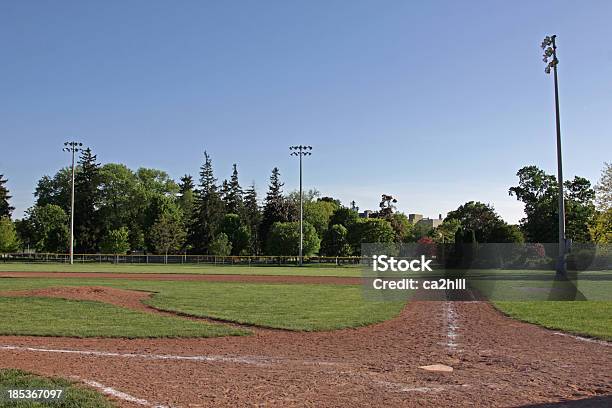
(415,219)
(366,214)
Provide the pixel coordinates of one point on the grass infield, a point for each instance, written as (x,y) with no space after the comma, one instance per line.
(75,318)
(292,307)
(75,396)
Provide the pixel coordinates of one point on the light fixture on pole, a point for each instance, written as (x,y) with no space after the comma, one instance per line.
(301,151)
(72,147)
(550,58)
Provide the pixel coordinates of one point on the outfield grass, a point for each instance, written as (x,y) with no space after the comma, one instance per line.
(307,270)
(591,318)
(294,307)
(74,318)
(74,396)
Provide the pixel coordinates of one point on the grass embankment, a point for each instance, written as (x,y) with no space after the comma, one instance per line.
(307,270)
(75,396)
(293,307)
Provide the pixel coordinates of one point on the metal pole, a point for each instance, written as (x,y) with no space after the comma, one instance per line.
(301,151)
(72,215)
(561,263)
(301,215)
(550,51)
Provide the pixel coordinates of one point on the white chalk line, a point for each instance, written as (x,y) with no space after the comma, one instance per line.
(210,358)
(104,389)
(451,326)
(573,336)
(241,360)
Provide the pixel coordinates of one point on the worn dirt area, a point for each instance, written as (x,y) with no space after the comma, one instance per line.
(496,361)
(331,280)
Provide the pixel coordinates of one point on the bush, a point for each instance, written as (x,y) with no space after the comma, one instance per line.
(284,239)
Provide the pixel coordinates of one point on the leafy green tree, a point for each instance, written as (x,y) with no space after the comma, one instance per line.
(318,214)
(445,232)
(284,239)
(116,241)
(238,234)
(8,235)
(335,241)
(539,192)
(123,202)
(387,207)
(220,245)
(476,216)
(45,228)
(370,230)
(601,227)
(253,216)
(506,233)
(87,222)
(344,216)
(603,190)
(55,190)
(154,181)
(402,227)
(5,207)
(167,234)
(277,208)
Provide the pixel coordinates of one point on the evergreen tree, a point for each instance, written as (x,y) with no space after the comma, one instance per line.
(252,217)
(224,191)
(208,209)
(233,197)
(5,208)
(186,184)
(187,197)
(87,228)
(276,209)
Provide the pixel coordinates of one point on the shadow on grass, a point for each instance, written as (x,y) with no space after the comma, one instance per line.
(591,402)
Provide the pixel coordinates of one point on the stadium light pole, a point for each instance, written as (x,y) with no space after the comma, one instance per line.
(72,147)
(550,58)
(301,151)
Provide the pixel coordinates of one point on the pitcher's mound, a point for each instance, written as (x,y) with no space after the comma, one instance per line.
(119,297)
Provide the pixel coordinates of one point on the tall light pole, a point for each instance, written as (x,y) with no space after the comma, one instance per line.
(301,151)
(72,147)
(550,58)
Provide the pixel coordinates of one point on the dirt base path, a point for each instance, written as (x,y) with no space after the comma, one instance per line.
(331,280)
(496,361)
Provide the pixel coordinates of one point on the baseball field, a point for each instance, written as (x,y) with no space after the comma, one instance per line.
(186,336)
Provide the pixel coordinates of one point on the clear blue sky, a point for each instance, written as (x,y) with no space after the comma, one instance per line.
(436,103)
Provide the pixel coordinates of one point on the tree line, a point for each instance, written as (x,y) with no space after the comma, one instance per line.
(119,210)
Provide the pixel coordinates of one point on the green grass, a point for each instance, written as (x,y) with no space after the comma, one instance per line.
(294,307)
(591,318)
(75,396)
(60,317)
(308,270)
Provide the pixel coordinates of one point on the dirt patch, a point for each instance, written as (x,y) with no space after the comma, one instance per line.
(496,361)
(324,280)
